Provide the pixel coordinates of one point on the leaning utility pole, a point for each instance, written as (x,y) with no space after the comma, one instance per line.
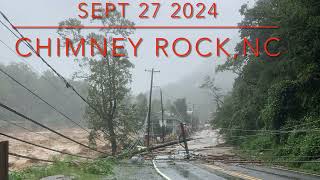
(192,116)
(162,117)
(150,102)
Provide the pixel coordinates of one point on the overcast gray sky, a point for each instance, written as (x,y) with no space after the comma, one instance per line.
(48,12)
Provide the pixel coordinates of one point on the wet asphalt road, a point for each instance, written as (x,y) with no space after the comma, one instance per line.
(179,170)
(170,164)
(184,171)
(128,171)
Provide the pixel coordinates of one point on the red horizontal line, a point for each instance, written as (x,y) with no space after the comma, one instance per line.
(147,27)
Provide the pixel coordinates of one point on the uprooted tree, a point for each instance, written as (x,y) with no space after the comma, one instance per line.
(108,78)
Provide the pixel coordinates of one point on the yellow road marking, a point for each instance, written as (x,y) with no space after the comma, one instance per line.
(232,173)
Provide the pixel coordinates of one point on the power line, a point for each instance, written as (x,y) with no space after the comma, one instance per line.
(255,135)
(26,157)
(46,79)
(267,132)
(260,150)
(8,47)
(41,76)
(11,50)
(44,101)
(286,147)
(64,115)
(303,124)
(174,106)
(276,131)
(68,85)
(179,114)
(43,147)
(8,28)
(252,135)
(257,161)
(24,128)
(39,124)
(34,70)
(287,156)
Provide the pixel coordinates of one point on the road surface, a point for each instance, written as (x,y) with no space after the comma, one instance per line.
(170,164)
(209,145)
(183,170)
(194,170)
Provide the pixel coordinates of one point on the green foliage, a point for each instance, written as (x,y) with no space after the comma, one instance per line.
(280,104)
(303,146)
(101,166)
(108,78)
(312,167)
(16,175)
(82,170)
(277,93)
(260,142)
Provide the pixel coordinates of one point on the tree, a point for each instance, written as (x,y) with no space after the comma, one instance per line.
(276,93)
(108,78)
(141,106)
(209,83)
(107,91)
(180,108)
(48,87)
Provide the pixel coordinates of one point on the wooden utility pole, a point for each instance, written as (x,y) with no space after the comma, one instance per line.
(4,160)
(162,116)
(192,115)
(149,110)
(183,132)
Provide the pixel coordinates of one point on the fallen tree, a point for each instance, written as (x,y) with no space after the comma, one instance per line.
(152,148)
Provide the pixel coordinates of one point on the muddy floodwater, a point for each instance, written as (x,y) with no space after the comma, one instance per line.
(50,140)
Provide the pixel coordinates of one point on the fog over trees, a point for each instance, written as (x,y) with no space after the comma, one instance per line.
(47,86)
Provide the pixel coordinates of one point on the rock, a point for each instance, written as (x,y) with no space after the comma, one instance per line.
(137,160)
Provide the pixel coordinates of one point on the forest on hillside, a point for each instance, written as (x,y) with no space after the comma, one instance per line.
(273,111)
(52,90)
(48,86)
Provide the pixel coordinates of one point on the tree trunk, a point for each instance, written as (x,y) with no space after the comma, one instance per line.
(113,136)
(113,140)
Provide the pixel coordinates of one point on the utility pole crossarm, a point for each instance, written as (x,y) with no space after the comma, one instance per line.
(152,70)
